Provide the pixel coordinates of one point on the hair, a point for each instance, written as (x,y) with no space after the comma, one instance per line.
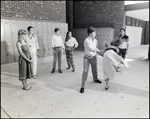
(56,29)
(115,43)
(90,30)
(21,32)
(29,27)
(67,36)
(123,29)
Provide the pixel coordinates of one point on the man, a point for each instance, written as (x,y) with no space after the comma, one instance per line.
(124,43)
(57,46)
(34,48)
(90,46)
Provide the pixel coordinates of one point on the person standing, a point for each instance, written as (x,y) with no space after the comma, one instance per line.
(24,62)
(90,46)
(70,45)
(57,46)
(124,43)
(34,47)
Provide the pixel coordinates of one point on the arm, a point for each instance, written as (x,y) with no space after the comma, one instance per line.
(75,43)
(53,45)
(21,53)
(127,45)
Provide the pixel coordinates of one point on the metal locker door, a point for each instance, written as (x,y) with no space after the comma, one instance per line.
(45,39)
(21,25)
(34,25)
(26,24)
(53,27)
(9,41)
(14,29)
(49,41)
(62,32)
(3,42)
(40,38)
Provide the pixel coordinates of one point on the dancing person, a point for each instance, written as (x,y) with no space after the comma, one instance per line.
(112,62)
(90,46)
(70,45)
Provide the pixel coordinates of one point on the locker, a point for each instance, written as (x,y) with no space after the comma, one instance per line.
(34,25)
(21,25)
(9,41)
(40,38)
(62,32)
(45,39)
(26,24)
(15,29)
(49,35)
(53,27)
(3,53)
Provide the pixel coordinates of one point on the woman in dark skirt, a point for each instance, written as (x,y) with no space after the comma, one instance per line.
(25,62)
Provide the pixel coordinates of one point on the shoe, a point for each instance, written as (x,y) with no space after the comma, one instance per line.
(68,68)
(60,71)
(27,88)
(98,81)
(34,77)
(53,70)
(82,90)
(73,70)
(106,88)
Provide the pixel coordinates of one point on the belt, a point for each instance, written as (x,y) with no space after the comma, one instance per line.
(57,47)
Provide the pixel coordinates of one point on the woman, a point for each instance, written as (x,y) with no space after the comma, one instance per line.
(70,45)
(25,61)
(112,62)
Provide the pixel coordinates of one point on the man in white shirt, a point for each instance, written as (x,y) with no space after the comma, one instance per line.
(34,48)
(90,47)
(57,46)
(70,44)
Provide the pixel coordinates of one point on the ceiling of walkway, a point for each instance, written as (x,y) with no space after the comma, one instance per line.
(142,14)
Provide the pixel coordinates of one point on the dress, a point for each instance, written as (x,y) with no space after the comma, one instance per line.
(25,69)
(111,62)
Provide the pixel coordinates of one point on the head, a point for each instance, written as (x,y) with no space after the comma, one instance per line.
(22,34)
(122,31)
(91,31)
(57,31)
(68,35)
(30,30)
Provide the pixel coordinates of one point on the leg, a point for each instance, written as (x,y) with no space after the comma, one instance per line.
(55,60)
(107,86)
(85,71)
(59,59)
(71,60)
(94,67)
(94,70)
(34,64)
(124,53)
(67,57)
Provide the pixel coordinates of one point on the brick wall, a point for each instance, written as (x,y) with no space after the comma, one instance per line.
(99,14)
(38,10)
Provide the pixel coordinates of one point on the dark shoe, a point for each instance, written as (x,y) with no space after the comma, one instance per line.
(68,68)
(82,90)
(53,70)
(106,88)
(60,71)
(98,81)
(73,70)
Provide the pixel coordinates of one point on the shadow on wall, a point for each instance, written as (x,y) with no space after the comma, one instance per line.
(7,52)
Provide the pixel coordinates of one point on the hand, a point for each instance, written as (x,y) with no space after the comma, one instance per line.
(54,51)
(30,60)
(64,52)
